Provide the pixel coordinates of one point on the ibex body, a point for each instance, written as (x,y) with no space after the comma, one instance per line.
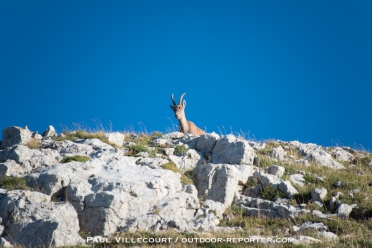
(185,126)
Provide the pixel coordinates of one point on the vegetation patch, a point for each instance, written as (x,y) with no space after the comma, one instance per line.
(269,193)
(135,149)
(362,161)
(33,143)
(13,183)
(77,158)
(82,134)
(180,149)
(184,179)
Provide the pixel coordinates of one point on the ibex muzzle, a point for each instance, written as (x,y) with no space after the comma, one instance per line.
(186,127)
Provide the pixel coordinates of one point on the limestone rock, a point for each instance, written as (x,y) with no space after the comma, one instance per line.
(263,208)
(218,207)
(297,179)
(343,210)
(278,153)
(206,143)
(302,162)
(310,225)
(20,160)
(245,171)
(162,142)
(305,240)
(276,170)
(316,154)
(28,212)
(115,138)
(342,155)
(188,161)
(152,162)
(329,236)
(50,132)
(15,136)
(276,183)
(217,182)
(230,150)
(257,145)
(318,194)
(173,135)
(67,147)
(148,222)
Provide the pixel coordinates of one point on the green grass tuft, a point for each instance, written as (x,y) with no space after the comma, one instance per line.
(76,158)
(135,149)
(181,149)
(13,183)
(185,179)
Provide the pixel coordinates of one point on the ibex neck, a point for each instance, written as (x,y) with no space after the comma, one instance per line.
(183,124)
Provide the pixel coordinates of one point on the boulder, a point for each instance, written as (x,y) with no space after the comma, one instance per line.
(162,142)
(50,132)
(206,143)
(342,155)
(257,145)
(173,135)
(343,210)
(153,163)
(328,236)
(115,138)
(276,170)
(188,161)
(278,153)
(297,179)
(257,207)
(318,195)
(147,222)
(217,182)
(68,148)
(245,171)
(31,159)
(274,182)
(316,154)
(178,210)
(310,225)
(20,160)
(305,240)
(230,150)
(29,212)
(15,136)
(113,191)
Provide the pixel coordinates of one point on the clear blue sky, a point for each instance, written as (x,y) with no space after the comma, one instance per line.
(274,69)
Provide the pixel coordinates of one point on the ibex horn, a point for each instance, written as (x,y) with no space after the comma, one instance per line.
(180,101)
(174,102)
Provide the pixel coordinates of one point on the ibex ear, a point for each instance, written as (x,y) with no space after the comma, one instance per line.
(171,107)
(184,103)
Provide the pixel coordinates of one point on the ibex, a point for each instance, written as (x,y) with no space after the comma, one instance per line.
(185,126)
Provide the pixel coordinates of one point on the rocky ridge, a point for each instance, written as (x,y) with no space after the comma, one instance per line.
(121,188)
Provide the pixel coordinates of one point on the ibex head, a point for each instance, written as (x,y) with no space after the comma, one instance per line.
(178,109)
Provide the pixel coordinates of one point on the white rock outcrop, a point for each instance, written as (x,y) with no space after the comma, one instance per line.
(26,213)
(316,154)
(15,136)
(206,143)
(115,138)
(188,161)
(217,182)
(50,132)
(230,150)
